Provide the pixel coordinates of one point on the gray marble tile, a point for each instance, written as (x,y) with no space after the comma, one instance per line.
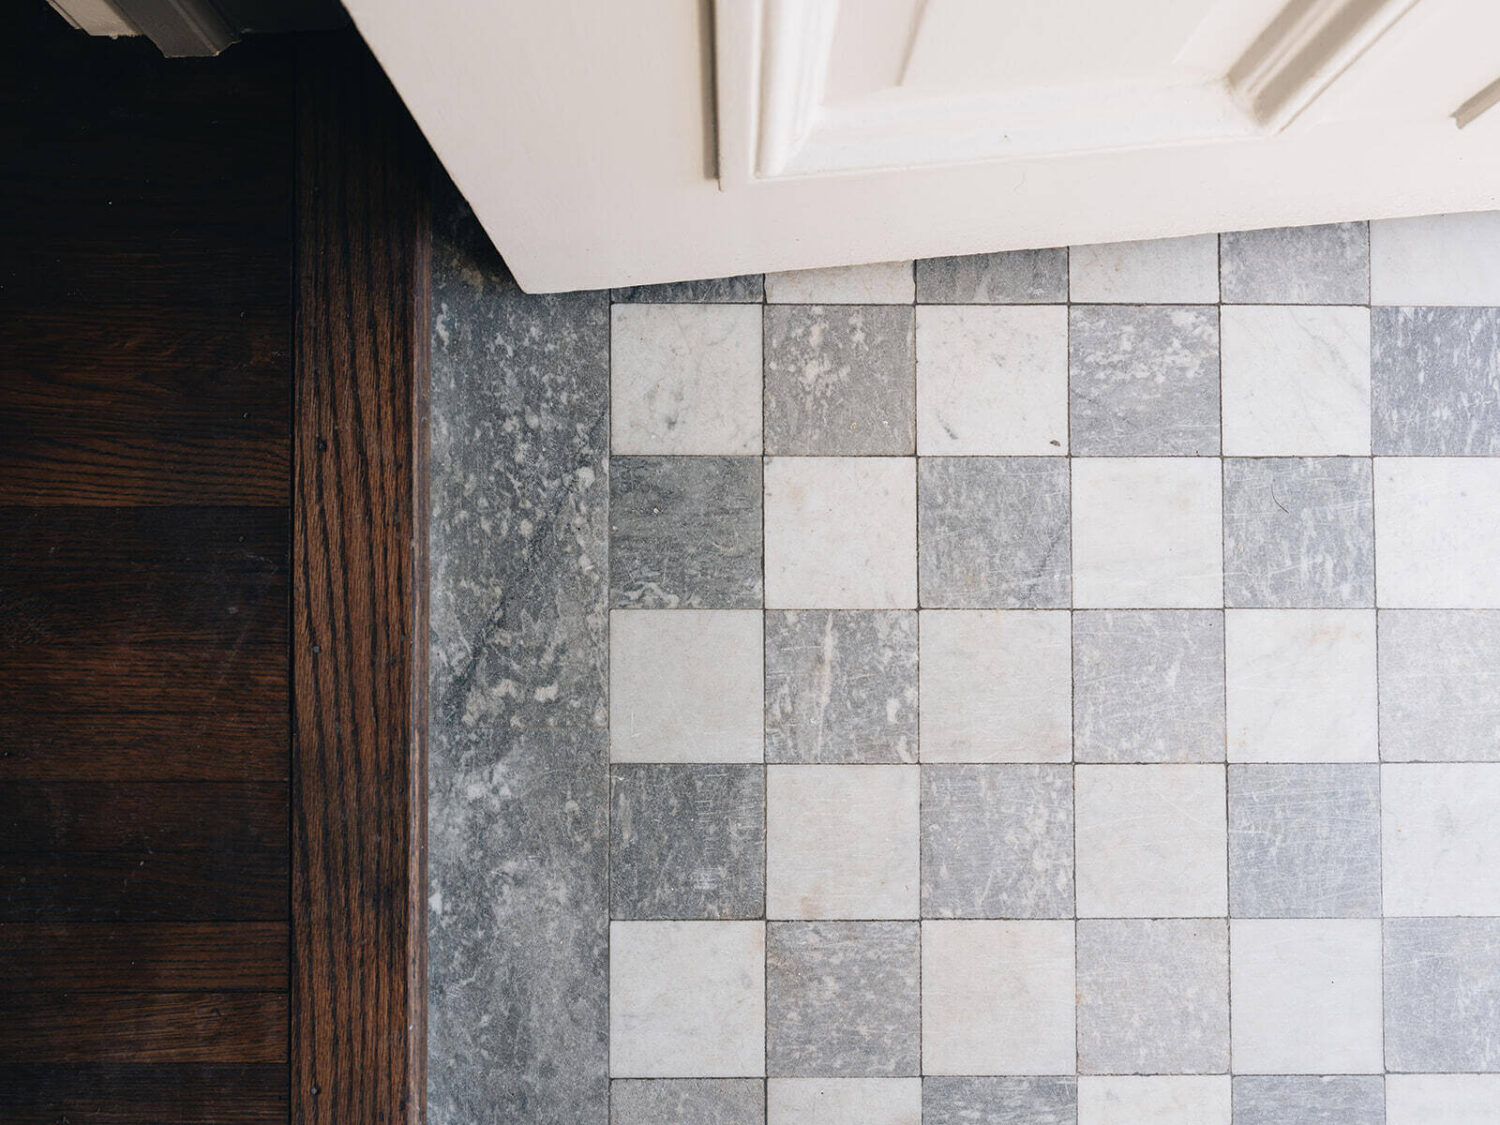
(1442,994)
(1308,1099)
(687,1101)
(685,532)
(1013,277)
(841,686)
(1318,265)
(749,287)
(1439,685)
(1299,532)
(1304,841)
(1148,686)
(519,533)
(688,841)
(993,532)
(997,841)
(840,380)
(1153,996)
(1143,380)
(518,768)
(999,1101)
(842,999)
(517,927)
(1435,381)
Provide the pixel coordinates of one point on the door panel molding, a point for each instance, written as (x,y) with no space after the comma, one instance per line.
(1248,69)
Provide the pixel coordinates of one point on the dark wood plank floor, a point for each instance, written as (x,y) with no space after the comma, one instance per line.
(146,266)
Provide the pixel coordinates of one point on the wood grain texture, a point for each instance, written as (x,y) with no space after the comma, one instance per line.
(148,816)
(177,575)
(358,602)
(146,325)
(145,310)
(144,886)
(166,1027)
(135,1094)
(150,957)
(143,746)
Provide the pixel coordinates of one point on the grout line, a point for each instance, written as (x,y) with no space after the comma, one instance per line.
(1072,654)
(765,773)
(1073,610)
(1224,664)
(609,750)
(1379,742)
(917,625)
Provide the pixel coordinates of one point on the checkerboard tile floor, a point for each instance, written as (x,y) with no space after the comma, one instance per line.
(1061,686)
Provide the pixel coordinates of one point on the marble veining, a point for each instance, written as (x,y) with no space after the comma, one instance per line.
(1148,686)
(993,532)
(1145,380)
(685,532)
(1317,265)
(518,769)
(997,841)
(1442,994)
(1304,841)
(999,1101)
(841,686)
(1308,1100)
(842,998)
(867,696)
(1439,686)
(840,380)
(1436,380)
(1153,996)
(1298,532)
(687,841)
(717,290)
(1015,277)
(701,1101)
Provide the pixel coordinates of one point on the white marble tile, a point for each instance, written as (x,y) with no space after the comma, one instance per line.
(1152,841)
(844,1101)
(992,379)
(1296,380)
(1436,260)
(1147,533)
(1307,996)
(841,532)
(1155,271)
(1300,685)
(995,686)
(1439,846)
(842,842)
(1128,1099)
(1452,1099)
(685,685)
(998,998)
(882,283)
(685,378)
(1437,532)
(687,999)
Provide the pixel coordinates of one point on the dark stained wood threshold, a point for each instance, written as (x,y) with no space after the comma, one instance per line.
(359,595)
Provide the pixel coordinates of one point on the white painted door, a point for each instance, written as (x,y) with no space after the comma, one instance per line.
(609,143)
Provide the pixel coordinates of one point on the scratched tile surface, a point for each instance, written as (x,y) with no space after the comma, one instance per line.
(1056,686)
